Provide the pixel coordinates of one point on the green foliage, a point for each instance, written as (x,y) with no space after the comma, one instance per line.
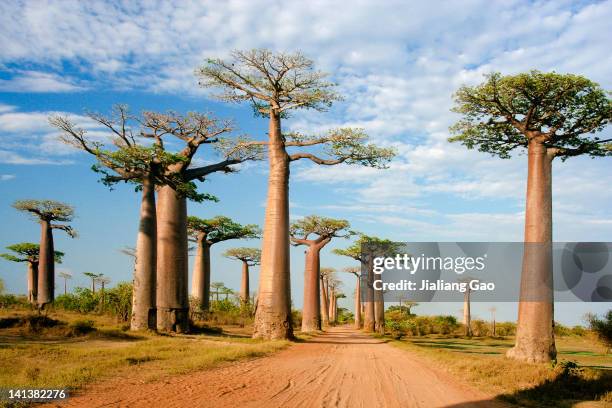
(252,256)
(220,228)
(366,243)
(602,327)
(116,301)
(344,316)
(27,252)
(504,112)
(343,145)
(10,301)
(48,210)
(481,328)
(2,287)
(265,79)
(322,227)
(400,324)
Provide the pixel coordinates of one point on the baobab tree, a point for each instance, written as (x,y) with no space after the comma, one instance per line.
(94,277)
(138,155)
(551,115)
(205,233)
(356,271)
(66,275)
(326,275)
(249,257)
(315,232)
(48,213)
(333,287)
(29,252)
(467,307)
(274,85)
(364,249)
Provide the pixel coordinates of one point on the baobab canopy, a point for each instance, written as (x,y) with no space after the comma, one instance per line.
(27,252)
(252,256)
(502,113)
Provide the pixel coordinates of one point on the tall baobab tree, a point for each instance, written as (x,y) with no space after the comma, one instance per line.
(551,115)
(29,252)
(315,232)
(138,155)
(66,275)
(275,84)
(249,257)
(326,275)
(94,278)
(205,233)
(48,213)
(467,307)
(356,271)
(364,249)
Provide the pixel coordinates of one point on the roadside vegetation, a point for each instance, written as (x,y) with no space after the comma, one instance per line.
(582,371)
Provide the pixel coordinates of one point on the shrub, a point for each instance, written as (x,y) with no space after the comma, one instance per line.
(9,301)
(481,328)
(602,328)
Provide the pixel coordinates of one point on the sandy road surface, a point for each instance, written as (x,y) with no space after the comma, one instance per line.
(341,368)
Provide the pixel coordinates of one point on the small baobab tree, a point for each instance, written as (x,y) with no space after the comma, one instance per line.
(205,233)
(138,155)
(249,257)
(94,278)
(364,249)
(29,252)
(48,213)
(315,233)
(274,85)
(103,281)
(356,271)
(66,276)
(551,116)
(333,290)
(326,275)
(215,289)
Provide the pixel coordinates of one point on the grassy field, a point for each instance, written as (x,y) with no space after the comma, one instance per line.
(481,362)
(48,358)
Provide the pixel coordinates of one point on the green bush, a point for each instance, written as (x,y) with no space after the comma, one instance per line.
(602,328)
(116,301)
(481,328)
(9,301)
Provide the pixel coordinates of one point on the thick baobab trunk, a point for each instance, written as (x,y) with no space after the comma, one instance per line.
(467,317)
(244,284)
(311,313)
(369,319)
(172,267)
(46,266)
(273,316)
(358,304)
(200,285)
(32,281)
(324,304)
(535,341)
(144,289)
(379,311)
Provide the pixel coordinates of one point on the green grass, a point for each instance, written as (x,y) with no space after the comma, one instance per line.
(481,362)
(49,359)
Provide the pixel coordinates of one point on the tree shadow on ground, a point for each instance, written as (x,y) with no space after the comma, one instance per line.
(569,388)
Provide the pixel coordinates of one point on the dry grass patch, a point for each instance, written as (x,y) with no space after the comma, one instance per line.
(481,362)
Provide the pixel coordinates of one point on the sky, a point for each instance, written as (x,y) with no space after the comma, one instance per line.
(396,63)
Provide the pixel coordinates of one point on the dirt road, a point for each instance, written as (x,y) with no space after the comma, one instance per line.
(341,368)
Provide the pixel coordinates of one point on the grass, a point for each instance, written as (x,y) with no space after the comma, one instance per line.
(46,357)
(583,371)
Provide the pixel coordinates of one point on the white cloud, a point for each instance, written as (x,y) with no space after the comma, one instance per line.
(34,81)
(7,177)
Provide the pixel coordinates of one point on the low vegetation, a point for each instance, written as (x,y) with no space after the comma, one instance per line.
(583,371)
(64,349)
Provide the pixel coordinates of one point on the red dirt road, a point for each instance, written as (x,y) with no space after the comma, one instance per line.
(341,368)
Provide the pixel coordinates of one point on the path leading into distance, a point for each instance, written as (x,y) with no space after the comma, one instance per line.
(341,368)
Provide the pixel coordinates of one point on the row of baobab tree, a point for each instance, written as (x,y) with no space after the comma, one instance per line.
(551,115)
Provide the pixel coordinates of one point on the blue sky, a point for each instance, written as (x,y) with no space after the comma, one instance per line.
(396,63)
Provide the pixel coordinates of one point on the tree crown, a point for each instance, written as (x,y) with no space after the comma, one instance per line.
(137,150)
(323,227)
(219,229)
(48,211)
(279,81)
(252,256)
(557,110)
(365,245)
(28,252)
